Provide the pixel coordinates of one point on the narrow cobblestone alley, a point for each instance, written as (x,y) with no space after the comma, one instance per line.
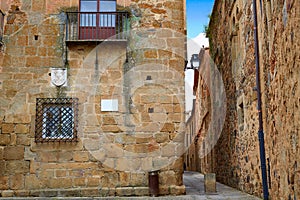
(194,183)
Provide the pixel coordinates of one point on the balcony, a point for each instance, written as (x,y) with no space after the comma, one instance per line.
(97,26)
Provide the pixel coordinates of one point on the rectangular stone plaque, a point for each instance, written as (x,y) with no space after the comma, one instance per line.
(109,105)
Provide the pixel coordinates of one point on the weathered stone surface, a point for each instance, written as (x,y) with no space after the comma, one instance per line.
(125,191)
(1,153)
(81,156)
(4,139)
(17,182)
(23,140)
(235,158)
(7,193)
(108,141)
(22,128)
(8,128)
(16,166)
(13,152)
(210,182)
(32,182)
(4,185)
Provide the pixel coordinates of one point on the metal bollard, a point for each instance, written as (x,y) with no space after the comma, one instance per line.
(153,183)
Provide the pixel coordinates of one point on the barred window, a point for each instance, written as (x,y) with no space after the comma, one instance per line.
(1,24)
(56,119)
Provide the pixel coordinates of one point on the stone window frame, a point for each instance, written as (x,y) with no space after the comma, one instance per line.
(56,120)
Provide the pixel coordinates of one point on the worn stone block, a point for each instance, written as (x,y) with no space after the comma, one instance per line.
(137,148)
(33,166)
(139,179)
(167,178)
(108,120)
(7,193)
(105,191)
(19,118)
(150,54)
(141,191)
(4,182)
(59,183)
(81,156)
(15,166)
(79,182)
(47,156)
(1,153)
(168,127)
(8,128)
(146,163)
(17,182)
(111,128)
(64,156)
(33,61)
(148,127)
(13,139)
(128,164)
(30,51)
(60,173)
(178,190)
(42,51)
(175,117)
(125,191)
(46,173)
(167,99)
(22,128)
(169,150)
(13,152)
(21,193)
(158,117)
(148,99)
(210,182)
(4,139)
(93,182)
(23,140)
(77,173)
(32,182)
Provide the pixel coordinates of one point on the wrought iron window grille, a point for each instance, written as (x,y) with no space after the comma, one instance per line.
(1,30)
(56,120)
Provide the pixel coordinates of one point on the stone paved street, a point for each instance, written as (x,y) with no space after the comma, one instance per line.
(194,183)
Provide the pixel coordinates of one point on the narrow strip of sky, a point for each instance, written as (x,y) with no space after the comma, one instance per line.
(197,13)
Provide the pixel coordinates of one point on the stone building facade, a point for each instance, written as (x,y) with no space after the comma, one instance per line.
(237,154)
(86,115)
(197,157)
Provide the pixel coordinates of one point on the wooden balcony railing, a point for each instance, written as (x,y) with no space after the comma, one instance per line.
(97,26)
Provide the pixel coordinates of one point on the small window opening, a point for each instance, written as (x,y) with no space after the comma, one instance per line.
(241,116)
(56,119)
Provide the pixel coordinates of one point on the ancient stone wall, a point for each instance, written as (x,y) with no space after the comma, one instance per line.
(115,150)
(200,155)
(232,48)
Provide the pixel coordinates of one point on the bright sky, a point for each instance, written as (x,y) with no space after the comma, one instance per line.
(197,12)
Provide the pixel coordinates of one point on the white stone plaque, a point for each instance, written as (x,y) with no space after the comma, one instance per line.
(109,105)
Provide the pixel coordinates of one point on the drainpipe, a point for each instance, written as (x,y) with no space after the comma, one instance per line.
(260,118)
